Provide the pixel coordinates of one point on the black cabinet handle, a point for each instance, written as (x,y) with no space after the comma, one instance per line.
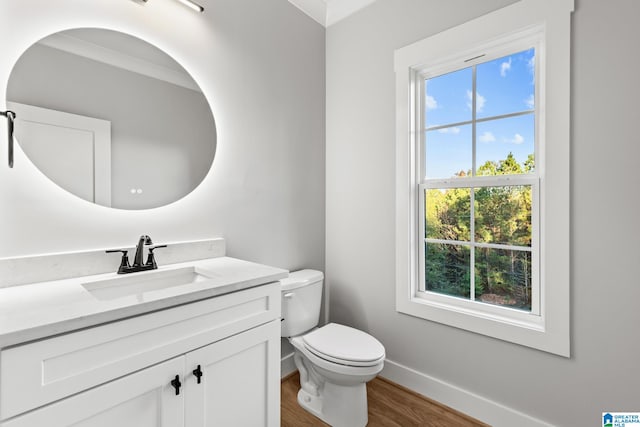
(198,373)
(176,384)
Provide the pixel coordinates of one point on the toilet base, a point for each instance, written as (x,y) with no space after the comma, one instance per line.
(338,406)
(310,403)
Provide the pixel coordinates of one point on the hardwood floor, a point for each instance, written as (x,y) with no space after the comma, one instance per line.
(389,405)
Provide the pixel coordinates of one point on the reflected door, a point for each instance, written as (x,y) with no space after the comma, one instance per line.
(74,151)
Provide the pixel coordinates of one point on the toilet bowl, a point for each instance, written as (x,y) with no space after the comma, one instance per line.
(335,361)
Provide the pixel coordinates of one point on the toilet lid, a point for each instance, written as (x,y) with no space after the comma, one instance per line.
(342,344)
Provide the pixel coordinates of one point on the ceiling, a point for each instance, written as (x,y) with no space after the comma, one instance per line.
(328,12)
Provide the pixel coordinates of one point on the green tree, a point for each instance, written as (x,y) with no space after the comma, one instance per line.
(529,164)
(503,216)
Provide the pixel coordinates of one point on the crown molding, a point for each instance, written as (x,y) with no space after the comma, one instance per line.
(316,9)
(122,60)
(328,12)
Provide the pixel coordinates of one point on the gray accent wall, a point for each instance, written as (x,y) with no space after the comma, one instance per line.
(602,372)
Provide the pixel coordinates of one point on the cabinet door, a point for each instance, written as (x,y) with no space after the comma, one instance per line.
(142,399)
(240,382)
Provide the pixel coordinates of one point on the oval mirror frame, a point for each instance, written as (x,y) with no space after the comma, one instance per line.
(111,118)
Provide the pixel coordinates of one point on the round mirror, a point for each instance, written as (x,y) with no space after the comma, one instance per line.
(111,118)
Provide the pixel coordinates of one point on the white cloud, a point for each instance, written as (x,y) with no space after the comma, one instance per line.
(504,67)
(517,139)
(453,130)
(531,64)
(530,102)
(431,103)
(480,101)
(487,137)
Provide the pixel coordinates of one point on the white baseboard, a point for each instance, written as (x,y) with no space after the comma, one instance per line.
(457,398)
(287,365)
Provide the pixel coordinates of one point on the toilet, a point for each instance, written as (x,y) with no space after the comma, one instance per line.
(335,361)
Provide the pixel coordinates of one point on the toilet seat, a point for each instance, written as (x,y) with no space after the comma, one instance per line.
(344,345)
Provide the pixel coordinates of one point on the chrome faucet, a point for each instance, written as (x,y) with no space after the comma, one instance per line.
(138,265)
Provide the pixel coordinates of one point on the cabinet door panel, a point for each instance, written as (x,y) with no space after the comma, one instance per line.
(142,399)
(240,385)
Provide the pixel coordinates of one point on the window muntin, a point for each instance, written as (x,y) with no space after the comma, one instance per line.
(484,223)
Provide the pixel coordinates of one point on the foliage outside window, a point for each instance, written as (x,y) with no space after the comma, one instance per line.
(477,225)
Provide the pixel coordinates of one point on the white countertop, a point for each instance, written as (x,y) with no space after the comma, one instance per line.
(39,310)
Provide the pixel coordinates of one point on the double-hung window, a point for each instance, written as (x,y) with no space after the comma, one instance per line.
(482,175)
(478,180)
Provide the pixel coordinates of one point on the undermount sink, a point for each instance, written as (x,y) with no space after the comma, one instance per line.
(144,282)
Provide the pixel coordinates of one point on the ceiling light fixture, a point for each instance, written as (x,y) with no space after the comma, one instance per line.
(193,5)
(189,3)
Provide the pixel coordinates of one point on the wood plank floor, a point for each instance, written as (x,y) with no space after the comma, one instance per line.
(389,405)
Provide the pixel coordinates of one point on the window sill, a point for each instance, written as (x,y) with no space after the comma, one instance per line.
(524,328)
(472,310)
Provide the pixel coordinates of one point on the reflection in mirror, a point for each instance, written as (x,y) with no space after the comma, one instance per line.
(111,118)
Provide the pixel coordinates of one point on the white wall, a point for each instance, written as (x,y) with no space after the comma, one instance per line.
(602,373)
(261,66)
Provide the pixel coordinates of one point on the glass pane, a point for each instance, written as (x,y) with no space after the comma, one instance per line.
(503,215)
(448,152)
(447,98)
(447,269)
(506,146)
(506,85)
(448,214)
(503,277)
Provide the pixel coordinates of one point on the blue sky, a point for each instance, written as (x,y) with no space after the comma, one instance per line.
(504,85)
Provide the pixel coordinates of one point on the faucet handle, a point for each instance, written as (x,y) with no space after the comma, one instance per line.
(151,260)
(124,262)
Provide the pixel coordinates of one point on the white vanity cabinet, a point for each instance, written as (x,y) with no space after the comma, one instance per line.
(141,399)
(124,373)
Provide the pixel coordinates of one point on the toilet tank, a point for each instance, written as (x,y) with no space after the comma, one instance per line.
(301,295)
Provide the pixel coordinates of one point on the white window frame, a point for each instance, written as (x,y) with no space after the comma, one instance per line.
(547,23)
